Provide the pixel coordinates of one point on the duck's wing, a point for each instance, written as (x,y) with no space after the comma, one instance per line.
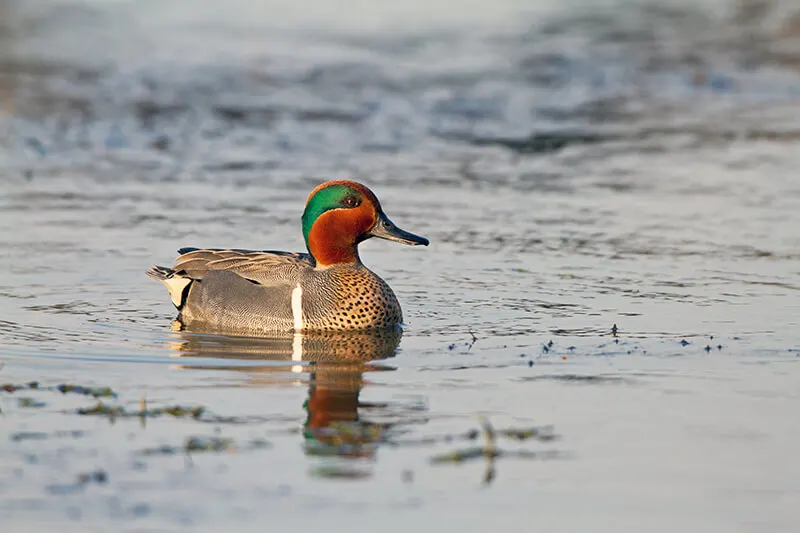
(265,267)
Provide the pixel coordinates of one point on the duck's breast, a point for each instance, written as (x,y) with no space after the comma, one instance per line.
(347,298)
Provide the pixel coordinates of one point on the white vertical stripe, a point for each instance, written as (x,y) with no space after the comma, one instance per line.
(297,307)
(297,350)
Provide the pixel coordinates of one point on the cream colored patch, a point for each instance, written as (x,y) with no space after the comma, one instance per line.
(297,347)
(297,307)
(175,286)
(297,352)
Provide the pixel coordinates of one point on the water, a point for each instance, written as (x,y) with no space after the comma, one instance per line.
(575,165)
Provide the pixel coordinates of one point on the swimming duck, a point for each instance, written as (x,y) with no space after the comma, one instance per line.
(326,289)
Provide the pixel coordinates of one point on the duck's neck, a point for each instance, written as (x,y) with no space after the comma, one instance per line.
(331,246)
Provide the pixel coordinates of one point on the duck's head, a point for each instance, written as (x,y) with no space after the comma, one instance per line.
(340,214)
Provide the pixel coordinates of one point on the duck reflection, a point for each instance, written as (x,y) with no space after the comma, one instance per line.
(335,362)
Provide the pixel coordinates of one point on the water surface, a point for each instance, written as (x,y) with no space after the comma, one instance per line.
(580,169)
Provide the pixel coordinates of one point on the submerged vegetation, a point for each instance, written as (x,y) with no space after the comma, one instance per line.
(196,444)
(330,431)
(115,411)
(64,388)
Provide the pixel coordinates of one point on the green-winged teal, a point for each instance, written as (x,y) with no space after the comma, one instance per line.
(271,291)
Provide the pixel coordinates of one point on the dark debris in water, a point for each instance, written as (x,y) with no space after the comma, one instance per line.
(541,434)
(28,435)
(490,452)
(198,413)
(11,388)
(115,411)
(212,444)
(97,392)
(40,435)
(64,388)
(28,403)
(467,454)
(98,477)
(334,471)
(578,378)
(469,345)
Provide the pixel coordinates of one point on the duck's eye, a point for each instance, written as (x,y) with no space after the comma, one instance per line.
(351,201)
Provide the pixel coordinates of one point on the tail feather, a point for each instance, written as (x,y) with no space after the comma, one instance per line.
(160,273)
(177,283)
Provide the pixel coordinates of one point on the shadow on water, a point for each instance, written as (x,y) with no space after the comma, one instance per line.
(335,362)
(340,431)
(348,347)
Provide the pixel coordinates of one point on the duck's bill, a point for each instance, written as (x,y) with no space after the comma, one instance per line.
(385,229)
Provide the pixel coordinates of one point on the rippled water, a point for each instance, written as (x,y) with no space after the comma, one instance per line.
(577,166)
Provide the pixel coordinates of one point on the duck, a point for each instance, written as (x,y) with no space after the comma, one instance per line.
(326,289)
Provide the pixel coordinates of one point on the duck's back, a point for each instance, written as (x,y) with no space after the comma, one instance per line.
(239,289)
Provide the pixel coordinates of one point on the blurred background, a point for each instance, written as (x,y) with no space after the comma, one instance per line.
(255,90)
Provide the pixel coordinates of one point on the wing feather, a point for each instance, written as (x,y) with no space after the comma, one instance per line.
(267,267)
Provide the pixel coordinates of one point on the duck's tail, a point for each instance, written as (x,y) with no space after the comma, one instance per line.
(177,283)
(160,273)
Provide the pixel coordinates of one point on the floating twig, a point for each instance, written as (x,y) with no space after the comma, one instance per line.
(490,452)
